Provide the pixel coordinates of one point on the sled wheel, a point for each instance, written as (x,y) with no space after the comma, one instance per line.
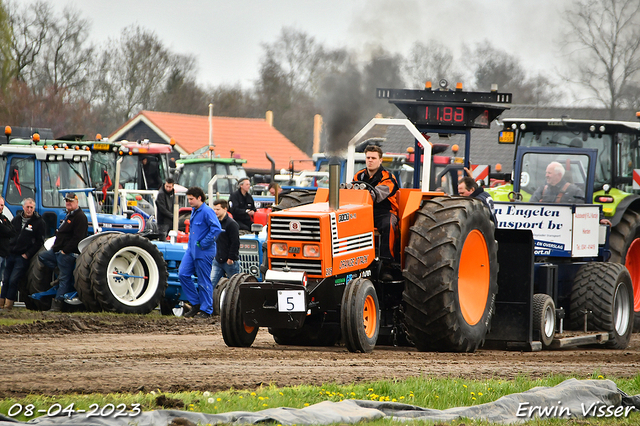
(451,271)
(604,289)
(625,248)
(359,316)
(129,275)
(544,318)
(234,331)
(218,295)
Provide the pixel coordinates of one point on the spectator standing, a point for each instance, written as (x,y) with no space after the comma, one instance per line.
(28,238)
(228,245)
(65,251)
(164,206)
(6,232)
(204,229)
(241,205)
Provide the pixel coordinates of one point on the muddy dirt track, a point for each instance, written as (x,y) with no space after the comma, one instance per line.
(84,353)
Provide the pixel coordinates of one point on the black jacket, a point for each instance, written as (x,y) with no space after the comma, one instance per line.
(238,206)
(164,204)
(228,243)
(73,229)
(6,232)
(29,239)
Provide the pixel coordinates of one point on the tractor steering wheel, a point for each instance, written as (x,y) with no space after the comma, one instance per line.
(367,185)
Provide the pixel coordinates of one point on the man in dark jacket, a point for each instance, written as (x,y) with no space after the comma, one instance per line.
(164,205)
(64,252)
(227,245)
(27,240)
(241,205)
(6,232)
(468,187)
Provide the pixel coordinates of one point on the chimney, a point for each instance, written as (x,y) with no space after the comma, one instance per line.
(317,131)
(269,118)
(334,183)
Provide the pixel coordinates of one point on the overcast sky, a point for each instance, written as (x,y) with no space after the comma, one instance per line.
(226,36)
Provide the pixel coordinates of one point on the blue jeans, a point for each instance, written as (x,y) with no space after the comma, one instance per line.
(66,263)
(15,269)
(218,270)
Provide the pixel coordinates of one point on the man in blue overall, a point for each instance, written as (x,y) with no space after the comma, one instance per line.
(204,229)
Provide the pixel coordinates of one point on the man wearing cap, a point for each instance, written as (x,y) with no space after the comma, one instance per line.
(241,205)
(64,252)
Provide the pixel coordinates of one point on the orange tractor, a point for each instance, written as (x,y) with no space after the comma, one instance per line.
(326,283)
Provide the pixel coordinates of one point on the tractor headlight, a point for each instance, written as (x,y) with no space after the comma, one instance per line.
(311,250)
(279,249)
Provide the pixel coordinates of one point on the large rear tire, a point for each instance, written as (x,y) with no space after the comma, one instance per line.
(360,316)
(604,289)
(296,198)
(624,243)
(544,318)
(234,331)
(129,275)
(451,271)
(82,273)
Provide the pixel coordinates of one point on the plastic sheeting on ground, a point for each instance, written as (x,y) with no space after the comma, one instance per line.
(570,399)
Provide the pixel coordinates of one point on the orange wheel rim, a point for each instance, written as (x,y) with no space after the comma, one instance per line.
(369,316)
(632,262)
(473,277)
(247,329)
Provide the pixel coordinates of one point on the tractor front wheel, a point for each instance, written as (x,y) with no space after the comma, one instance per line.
(544,318)
(234,330)
(359,316)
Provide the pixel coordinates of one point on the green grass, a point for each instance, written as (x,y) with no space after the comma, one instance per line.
(421,391)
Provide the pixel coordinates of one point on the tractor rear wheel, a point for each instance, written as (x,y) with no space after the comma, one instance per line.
(234,331)
(451,271)
(296,198)
(129,275)
(82,273)
(625,248)
(604,289)
(359,316)
(544,318)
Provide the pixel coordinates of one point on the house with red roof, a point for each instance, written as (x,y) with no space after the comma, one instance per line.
(246,138)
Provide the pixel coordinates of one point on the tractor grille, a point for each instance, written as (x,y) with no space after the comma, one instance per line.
(309,229)
(249,255)
(311,267)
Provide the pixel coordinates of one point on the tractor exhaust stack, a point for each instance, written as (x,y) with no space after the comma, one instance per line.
(334,184)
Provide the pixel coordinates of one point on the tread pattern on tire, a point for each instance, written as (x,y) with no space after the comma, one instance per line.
(432,311)
(231,323)
(100,284)
(594,288)
(539,305)
(621,237)
(82,273)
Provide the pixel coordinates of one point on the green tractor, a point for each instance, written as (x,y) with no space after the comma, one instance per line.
(617,176)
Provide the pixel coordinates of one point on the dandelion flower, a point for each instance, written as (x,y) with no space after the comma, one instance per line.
(253,394)
(206,394)
(210,401)
(306,404)
(219,399)
(479,393)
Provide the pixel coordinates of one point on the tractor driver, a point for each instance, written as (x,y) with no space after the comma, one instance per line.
(385,203)
(557,189)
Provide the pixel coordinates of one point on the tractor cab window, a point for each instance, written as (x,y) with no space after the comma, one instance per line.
(21,183)
(3,169)
(58,175)
(143,171)
(102,167)
(628,160)
(575,139)
(554,178)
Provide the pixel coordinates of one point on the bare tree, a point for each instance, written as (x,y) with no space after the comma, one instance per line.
(604,47)
(7,64)
(429,62)
(182,93)
(30,26)
(493,66)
